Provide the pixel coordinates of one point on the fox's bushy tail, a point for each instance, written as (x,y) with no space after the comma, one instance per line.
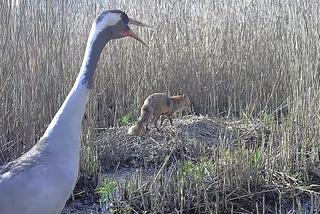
(138,126)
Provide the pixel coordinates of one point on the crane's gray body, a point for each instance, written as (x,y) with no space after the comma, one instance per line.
(41,181)
(37,178)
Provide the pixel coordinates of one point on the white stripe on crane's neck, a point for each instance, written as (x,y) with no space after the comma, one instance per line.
(63,133)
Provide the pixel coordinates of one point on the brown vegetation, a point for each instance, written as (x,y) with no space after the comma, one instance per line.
(253,60)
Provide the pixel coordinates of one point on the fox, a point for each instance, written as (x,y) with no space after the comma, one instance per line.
(159,105)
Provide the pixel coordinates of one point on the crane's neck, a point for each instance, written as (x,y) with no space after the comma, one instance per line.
(63,133)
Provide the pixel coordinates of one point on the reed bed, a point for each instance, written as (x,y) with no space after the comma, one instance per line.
(238,59)
(202,165)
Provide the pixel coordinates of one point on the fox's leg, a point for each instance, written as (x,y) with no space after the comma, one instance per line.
(162,119)
(147,122)
(170,119)
(155,121)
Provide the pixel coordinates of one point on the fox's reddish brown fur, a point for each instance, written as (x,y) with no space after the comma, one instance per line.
(159,105)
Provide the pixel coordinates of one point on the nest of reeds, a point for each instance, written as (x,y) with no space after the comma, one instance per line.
(191,137)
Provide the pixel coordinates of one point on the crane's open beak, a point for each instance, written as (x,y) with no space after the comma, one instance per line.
(132,34)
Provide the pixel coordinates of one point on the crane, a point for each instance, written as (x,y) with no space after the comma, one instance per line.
(41,180)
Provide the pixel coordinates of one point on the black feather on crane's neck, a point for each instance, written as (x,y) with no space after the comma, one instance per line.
(92,56)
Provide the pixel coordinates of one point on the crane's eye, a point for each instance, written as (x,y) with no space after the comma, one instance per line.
(124,18)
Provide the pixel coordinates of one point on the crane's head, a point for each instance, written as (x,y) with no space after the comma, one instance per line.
(115,24)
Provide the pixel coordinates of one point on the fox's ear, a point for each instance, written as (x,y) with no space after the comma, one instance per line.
(183,95)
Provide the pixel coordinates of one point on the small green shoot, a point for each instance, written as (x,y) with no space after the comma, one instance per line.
(126,119)
(107,190)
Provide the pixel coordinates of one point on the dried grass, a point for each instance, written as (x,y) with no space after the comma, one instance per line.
(255,61)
